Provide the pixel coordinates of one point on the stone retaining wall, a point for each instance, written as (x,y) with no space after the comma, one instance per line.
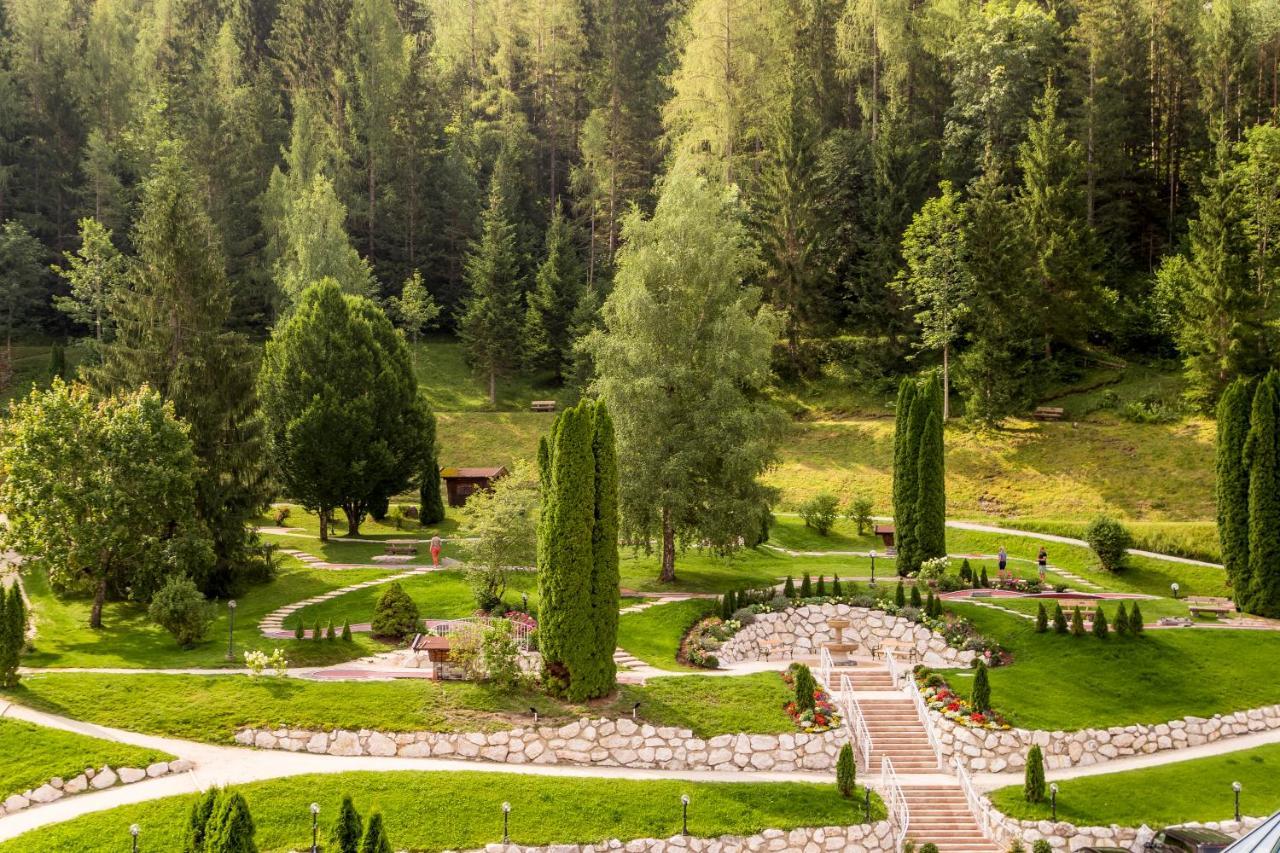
(803,630)
(606,743)
(987,751)
(871,837)
(91,779)
(1067,836)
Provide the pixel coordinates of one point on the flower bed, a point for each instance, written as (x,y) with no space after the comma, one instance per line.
(939,696)
(703,640)
(823,718)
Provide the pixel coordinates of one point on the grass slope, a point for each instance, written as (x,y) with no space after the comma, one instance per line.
(35,754)
(654,635)
(463,810)
(211,708)
(1196,790)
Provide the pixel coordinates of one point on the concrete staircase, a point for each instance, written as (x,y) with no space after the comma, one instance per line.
(896,733)
(940,814)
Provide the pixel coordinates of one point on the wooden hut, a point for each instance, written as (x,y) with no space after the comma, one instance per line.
(461,483)
(885,532)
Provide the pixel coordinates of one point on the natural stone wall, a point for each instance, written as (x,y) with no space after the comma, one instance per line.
(1067,836)
(868,837)
(804,630)
(984,750)
(606,743)
(91,779)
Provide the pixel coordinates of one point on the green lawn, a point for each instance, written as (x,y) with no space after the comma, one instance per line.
(1064,682)
(1196,790)
(128,638)
(442,595)
(213,707)
(1195,539)
(451,386)
(308,522)
(1152,608)
(654,635)
(463,810)
(35,754)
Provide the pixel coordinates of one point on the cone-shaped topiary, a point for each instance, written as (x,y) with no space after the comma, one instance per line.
(316,631)
(299,632)
(329,632)
(915,597)
(789,588)
(230,828)
(1121,624)
(1042,619)
(966,571)
(900,595)
(395,615)
(375,836)
(1135,621)
(1059,620)
(835,587)
(981,698)
(806,586)
(805,688)
(198,821)
(1077,622)
(346,631)
(846,771)
(347,831)
(983,581)
(1033,787)
(1100,629)
(821,589)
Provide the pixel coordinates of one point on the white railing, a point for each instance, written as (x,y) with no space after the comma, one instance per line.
(895,803)
(825,665)
(893,666)
(520,631)
(980,814)
(857,723)
(922,711)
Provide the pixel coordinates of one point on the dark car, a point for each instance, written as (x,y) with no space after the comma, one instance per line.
(1186,839)
(1104,850)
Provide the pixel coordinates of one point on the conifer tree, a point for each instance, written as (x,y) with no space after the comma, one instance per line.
(836,589)
(1059,620)
(230,828)
(846,771)
(13,634)
(915,596)
(821,589)
(1077,622)
(346,631)
(1262,455)
(1121,623)
(1033,786)
(980,699)
(8,657)
(492,322)
(1042,619)
(900,596)
(906,472)
(375,836)
(193,839)
(605,575)
(983,581)
(556,291)
(789,588)
(430,503)
(1100,628)
(347,830)
(931,500)
(805,686)
(806,586)
(1232,484)
(1136,625)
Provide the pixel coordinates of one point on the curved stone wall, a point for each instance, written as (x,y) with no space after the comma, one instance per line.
(804,630)
(870,837)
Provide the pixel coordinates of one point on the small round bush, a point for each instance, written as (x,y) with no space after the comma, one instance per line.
(180,608)
(820,512)
(395,614)
(744,615)
(1110,540)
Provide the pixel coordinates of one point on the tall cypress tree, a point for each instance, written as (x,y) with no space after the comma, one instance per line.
(8,653)
(905,474)
(1263,457)
(931,502)
(430,504)
(347,829)
(557,288)
(1233,484)
(908,530)
(198,821)
(15,628)
(604,550)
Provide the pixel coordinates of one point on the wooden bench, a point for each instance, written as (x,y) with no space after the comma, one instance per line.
(1068,609)
(767,646)
(1199,604)
(402,549)
(543,406)
(901,650)
(1048,413)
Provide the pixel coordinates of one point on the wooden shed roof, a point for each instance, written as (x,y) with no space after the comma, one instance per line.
(467,473)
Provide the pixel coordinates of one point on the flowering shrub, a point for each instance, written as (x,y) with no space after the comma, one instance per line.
(935,568)
(704,639)
(519,617)
(940,697)
(823,718)
(257,662)
(1014,584)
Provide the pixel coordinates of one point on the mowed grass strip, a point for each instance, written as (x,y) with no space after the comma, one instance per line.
(1196,790)
(35,754)
(1058,681)
(653,635)
(212,708)
(463,810)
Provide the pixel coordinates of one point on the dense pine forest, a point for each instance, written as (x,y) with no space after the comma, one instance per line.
(997,188)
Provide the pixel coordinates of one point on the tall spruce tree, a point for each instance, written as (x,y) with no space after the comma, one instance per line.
(604,551)
(556,291)
(1262,454)
(906,473)
(1232,484)
(931,500)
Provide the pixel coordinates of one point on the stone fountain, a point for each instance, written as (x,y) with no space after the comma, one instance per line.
(841,647)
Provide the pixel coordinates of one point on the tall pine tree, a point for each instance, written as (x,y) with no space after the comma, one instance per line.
(557,288)
(931,500)
(492,323)
(1262,454)
(1232,484)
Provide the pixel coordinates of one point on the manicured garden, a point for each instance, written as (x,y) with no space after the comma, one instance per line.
(426,811)
(653,635)
(35,754)
(211,708)
(1195,790)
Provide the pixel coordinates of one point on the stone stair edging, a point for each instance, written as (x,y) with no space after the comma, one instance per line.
(598,742)
(995,751)
(1068,836)
(90,780)
(804,630)
(872,837)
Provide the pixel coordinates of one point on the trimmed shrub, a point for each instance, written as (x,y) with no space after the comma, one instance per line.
(1059,619)
(375,836)
(821,589)
(346,631)
(806,586)
(299,632)
(198,821)
(1033,787)
(181,609)
(347,831)
(1135,621)
(1110,540)
(966,571)
(983,580)
(329,632)
(846,771)
(928,604)
(1042,619)
(395,615)
(789,588)
(900,595)
(1121,624)
(820,511)
(230,828)
(1077,622)
(916,601)
(835,587)
(805,688)
(981,698)
(1100,629)
(316,631)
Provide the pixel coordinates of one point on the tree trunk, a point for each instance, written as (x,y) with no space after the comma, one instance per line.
(493,387)
(99,597)
(668,548)
(324,525)
(353,513)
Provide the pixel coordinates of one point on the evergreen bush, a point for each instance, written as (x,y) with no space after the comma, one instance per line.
(299,632)
(1033,787)
(1100,629)
(395,615)
(835,587)
(789,588)
(329,632)
(181,609)
(1059,619)
(915,597)
(316,631)
(1041,846)
(346,631)
(900,596)
(375,836)
(981,697)
(1077,622)
(805,688)
(821,589)
(1135,621)
(230,828)
(806,586)
(1121,624)
(1042,619)
(984,582)
(846,771)
(1110,541)
(347,831)
(198,821)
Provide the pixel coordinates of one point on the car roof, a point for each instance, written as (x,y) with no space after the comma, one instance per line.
(1198,834)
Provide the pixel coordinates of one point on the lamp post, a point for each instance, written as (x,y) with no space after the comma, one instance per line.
(506,818)
(1236,788)
(315,828)
(231,629)
(524,601)
(1174,586)
(534,711)
(684,814)
(872,555)
(634,709)
(866,807)
(1053,800)
(134,830)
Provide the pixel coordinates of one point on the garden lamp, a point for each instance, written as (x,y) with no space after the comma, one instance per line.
(1174,586)
(524,601)
(134,830)
(1053,800)
(866,807)
(634,709)
(231,629)
(534,711)
(506,817)
(872,555)
(315,828)
(1237,788)
(684,806)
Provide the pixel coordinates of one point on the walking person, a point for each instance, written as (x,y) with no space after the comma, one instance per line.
(1042,559)
(1003,558)
(435,550)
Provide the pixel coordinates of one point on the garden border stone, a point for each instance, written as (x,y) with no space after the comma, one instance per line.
(90,780)
(871,837)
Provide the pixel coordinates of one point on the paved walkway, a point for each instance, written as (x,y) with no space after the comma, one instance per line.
(1068,540)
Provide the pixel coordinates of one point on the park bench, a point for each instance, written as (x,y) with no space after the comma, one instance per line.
(543,405)
(1069,605)
(1199,604)
(901,651)
(1048,413)
(770,645)
(401,549)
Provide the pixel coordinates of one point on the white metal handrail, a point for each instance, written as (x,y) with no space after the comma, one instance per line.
(519,630)
(922,711)
(980,814)
(857,723)
(893,666)
(825,665)
(895,802)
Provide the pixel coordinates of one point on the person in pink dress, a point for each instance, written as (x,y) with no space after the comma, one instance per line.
(435,550)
